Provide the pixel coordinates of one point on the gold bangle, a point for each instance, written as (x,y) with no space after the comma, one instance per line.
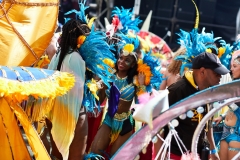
(142,87)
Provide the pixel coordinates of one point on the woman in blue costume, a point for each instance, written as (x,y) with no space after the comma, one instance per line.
(118,124)
(230,140)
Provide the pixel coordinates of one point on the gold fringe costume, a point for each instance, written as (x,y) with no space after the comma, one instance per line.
(16,85)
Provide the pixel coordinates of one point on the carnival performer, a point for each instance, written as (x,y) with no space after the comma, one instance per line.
(83,51)
(70,60)
(118,124)
(172,74)
(230,140)
(121,24)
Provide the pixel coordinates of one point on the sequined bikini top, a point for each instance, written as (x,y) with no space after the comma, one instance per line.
(127,90)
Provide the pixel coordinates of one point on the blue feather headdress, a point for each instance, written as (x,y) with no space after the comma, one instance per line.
(122,24)
(155,68)
(95,51)
(150,67)
(128,44)
(196,43)
(225,53)
(236,45)
(122,20)
(79,14)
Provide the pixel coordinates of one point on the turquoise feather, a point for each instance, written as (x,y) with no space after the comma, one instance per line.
(125,17)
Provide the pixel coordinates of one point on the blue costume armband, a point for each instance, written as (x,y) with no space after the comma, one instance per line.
(213,151)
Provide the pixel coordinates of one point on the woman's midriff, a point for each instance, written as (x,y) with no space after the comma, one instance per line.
(124,106)
(230,119)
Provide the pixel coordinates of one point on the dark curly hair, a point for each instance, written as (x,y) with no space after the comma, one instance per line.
(70,33)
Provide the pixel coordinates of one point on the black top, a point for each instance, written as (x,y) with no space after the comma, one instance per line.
(178,91)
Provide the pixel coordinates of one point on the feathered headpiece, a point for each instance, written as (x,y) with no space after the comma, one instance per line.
(225,52)
(81,14)
(97,56)
(236,45)
(191,41)
(122,21)
(196,43)
(128,44)
(150,67)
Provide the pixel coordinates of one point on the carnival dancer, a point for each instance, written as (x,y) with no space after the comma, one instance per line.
(69,60)
(122,23)
(230,140)
(82,51)
(118,124)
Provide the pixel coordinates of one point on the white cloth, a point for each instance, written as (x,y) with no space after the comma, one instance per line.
(66,108)
(226,78)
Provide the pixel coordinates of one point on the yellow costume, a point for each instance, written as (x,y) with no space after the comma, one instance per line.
(26,29)
(16,85)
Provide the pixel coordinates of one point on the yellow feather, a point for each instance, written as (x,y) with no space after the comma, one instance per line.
(221,51)
(80,40)
(90,22)
(44,60)
(209,50)
(129,48)
(93,88)
(109,62)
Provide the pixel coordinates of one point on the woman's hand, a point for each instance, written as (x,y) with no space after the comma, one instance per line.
(141,78)
(217,120)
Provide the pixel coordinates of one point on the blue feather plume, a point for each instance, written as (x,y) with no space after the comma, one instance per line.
(93,51)
(155,67)
(126,39)
(195,43)
(227,55)
(79,14)
(236,45)
(92,156)
(94,55)
(125,17)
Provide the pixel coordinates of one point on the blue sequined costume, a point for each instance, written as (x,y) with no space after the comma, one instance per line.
(122,123)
